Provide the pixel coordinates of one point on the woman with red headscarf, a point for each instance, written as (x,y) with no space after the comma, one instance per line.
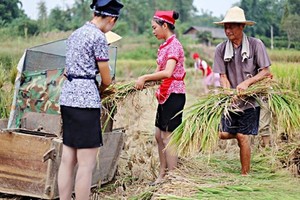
(209,78)
(171,93)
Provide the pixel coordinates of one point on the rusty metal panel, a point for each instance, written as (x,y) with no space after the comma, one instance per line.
(50,123)
(113,143)
(3,123)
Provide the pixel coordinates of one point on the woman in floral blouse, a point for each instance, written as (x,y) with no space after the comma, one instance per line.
(87,56)
(171,92)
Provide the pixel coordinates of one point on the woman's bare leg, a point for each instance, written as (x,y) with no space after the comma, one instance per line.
(161,155)
(86,163)
(170,152)
(66,172)
(167,157)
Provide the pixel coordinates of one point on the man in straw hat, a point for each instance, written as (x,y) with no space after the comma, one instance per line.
(240,61)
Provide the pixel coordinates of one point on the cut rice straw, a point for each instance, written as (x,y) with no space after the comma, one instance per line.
(118,92)
(200,126)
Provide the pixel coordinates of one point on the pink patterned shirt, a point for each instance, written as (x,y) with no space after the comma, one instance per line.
(172,49)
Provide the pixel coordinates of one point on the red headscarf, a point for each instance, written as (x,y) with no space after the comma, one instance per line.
(196,55)
(166,16)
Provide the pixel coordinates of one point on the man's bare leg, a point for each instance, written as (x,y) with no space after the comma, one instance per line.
(245,149)
(245,152)
(266,140)
(226,136)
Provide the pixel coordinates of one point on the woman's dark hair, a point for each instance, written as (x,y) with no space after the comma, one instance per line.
(103,16)
(170,26)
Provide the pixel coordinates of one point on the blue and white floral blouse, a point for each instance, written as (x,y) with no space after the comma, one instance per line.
(85,47)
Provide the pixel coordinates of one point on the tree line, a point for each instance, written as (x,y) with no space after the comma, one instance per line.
(279,19)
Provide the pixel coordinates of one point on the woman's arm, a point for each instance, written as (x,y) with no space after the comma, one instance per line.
(105,75)
(157,75)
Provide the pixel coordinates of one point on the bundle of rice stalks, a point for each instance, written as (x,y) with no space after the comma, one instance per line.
(200,126)
(285,108)
(119,91)
(116,93)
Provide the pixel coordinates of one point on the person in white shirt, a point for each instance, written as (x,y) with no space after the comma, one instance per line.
(210,79)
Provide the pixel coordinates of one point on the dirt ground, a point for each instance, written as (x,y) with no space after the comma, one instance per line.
(138,164)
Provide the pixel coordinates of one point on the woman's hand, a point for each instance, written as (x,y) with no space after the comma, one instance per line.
(139,84)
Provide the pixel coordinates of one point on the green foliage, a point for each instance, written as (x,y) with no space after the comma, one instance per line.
(60,20)
(13,74)
(23,27)
(138,14)
(134,68)
(5,94)
(5,103)
(265,13)
(287,74)
(142,47)
(5,61)
(291,25)
(80,13)
(204,37)
(140,53)
(205,19)
(2,77)
(122,28)
(217,176)
(280,43)
(135,18)
(293,6)
(42,16)
(10,10)
(285,57)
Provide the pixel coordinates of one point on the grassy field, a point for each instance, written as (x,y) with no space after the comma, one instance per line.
(275,171)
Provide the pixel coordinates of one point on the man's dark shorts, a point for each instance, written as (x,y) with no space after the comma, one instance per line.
(245,122)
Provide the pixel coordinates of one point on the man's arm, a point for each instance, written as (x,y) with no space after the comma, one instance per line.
(265,72)
(224,82)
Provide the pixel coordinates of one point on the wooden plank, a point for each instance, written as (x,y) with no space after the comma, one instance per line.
(22,170)
(51,189)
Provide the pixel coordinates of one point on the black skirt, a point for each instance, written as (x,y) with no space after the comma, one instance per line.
(169,115)
(81,127)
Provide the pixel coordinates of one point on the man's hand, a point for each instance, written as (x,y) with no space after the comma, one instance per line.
(242,86)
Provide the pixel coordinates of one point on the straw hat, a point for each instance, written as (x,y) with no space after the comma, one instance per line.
(235,15)
(112,37)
